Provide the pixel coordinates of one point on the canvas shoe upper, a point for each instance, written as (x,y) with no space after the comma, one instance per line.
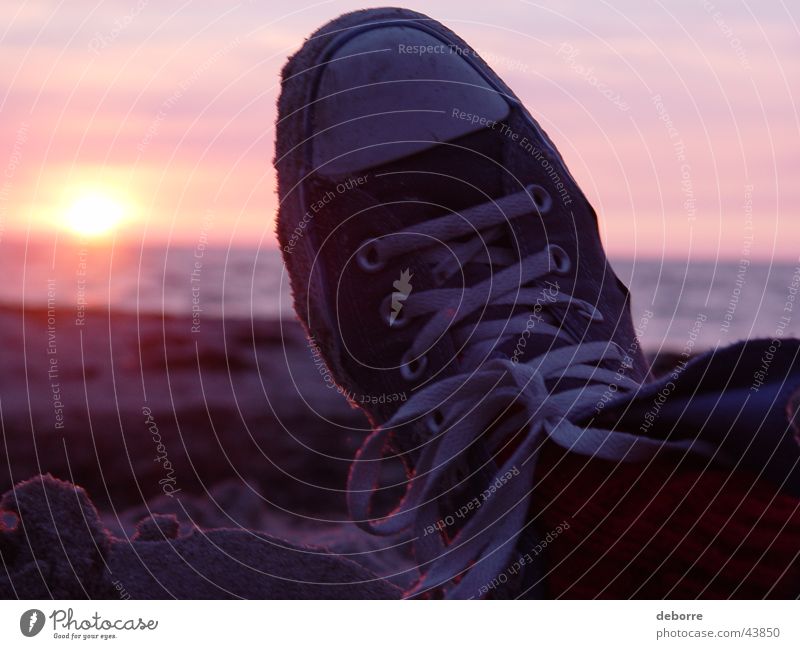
(439,248)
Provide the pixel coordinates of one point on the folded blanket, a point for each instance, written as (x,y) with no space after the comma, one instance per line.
(672,528)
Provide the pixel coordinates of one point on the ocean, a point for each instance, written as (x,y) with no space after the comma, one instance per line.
(704,303)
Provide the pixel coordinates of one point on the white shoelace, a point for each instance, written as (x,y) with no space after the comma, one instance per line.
(482,406)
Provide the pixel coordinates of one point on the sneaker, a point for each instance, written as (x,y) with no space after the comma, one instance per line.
(451,274)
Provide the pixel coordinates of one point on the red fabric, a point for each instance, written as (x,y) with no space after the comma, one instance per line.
(664,529)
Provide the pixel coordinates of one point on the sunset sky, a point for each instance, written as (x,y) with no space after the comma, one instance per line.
(154,122)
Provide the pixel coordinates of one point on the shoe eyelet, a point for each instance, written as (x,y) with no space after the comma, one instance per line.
(434,422)
(412,368)
(541,198)
(562,264)
(368,258)
(401,319)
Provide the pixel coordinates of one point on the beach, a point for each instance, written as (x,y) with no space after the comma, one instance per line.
(133,407)
(213,406)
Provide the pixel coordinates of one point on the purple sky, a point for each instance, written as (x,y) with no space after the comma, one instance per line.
(169,109)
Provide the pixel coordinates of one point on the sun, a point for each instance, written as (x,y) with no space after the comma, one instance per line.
(94,214)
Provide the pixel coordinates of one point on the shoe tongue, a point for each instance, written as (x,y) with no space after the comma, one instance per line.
(453,176)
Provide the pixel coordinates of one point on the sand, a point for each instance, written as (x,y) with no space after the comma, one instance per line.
(225,424)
